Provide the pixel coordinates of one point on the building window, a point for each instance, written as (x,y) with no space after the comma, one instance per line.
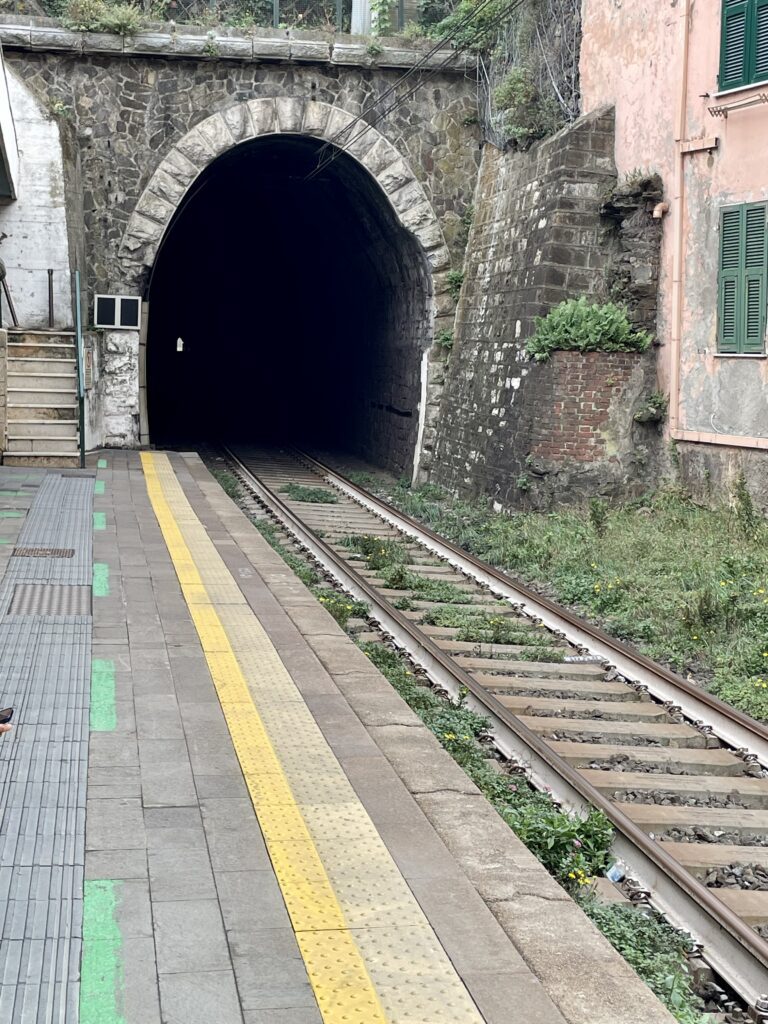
(744,43)
(742,288)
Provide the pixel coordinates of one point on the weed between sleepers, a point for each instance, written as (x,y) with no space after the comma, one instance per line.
(317,495)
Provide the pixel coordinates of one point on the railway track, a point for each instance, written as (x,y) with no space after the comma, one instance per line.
(681,776)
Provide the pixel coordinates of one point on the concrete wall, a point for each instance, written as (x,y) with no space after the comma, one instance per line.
(537,432)
(33,228)
(657,61)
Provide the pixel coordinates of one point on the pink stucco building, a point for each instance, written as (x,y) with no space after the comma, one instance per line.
(689,81)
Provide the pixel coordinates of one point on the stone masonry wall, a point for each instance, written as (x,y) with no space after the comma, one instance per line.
(509,427)
(126,112)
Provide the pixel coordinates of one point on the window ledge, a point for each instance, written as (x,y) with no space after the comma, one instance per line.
(740,355)
(740,89)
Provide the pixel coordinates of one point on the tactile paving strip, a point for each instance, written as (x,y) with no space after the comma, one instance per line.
(370,953)
(45,663)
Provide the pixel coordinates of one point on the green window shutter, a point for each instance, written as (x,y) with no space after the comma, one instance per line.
(760,69)
(735,48)
(753,337)
(731,279)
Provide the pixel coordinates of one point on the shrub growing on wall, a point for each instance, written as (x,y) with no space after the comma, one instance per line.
(582,326)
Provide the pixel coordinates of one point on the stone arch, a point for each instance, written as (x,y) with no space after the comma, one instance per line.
(254,118)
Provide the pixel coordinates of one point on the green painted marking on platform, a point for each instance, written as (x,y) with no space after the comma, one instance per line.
(103,707)
(102,464)
(10,494)
(100,579)
(10,513)
(101,974)
(98,486)
(99,520)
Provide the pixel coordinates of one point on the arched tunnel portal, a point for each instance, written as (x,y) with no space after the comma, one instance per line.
(302,305)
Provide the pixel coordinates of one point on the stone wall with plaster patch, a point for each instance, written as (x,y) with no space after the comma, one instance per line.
(112,405)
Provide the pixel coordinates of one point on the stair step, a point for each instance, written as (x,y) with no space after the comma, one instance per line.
(40,459)
(50,410)
(41,364)
(27,397)
(47,445)
(42,428)
(59,381)
(47,350)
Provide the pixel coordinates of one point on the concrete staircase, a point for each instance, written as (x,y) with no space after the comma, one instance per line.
(41,399)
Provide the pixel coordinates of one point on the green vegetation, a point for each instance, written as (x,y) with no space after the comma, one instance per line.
(687,585)
(397,577)
(229,483)
(655,950)
(341,606)
(582,326)
(378,552)
(455,281)
(318,495)
(304,570)
(524,113)
(123,19)
(444,340)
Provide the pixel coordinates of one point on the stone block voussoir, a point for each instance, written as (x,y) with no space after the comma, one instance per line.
(141,231)
(180,168)
(196,148)
(290,113)
(381,155)
(316,118)
(238,122)
(263,116)
(338,128)
(395,176)
(407,197)
(418,219)
(217,134)
(154,207)
(440,258)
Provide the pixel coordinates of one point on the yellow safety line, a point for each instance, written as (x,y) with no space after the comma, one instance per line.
(335,966)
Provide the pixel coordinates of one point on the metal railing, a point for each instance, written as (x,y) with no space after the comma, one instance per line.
(80,360)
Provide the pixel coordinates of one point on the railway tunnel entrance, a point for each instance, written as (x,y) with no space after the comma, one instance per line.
(288,308)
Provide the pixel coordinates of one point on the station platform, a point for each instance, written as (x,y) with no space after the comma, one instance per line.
(215,810)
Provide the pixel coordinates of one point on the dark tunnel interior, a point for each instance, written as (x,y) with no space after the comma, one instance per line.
(302,307)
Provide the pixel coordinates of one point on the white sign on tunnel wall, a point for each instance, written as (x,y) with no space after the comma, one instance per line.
(117,311)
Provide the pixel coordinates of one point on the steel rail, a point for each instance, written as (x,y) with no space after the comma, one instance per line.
(733,726)
(733,949)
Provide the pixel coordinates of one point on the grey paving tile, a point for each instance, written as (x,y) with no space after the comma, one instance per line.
(167,785)
(181,875)
(251,899)
(230,786)
(116,864)
(176,838)
(115,825)
(283,1015)
(153,751)
(269,969)
(495,992)
(140,997)
(200,998)
(189,936)
(133,913)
